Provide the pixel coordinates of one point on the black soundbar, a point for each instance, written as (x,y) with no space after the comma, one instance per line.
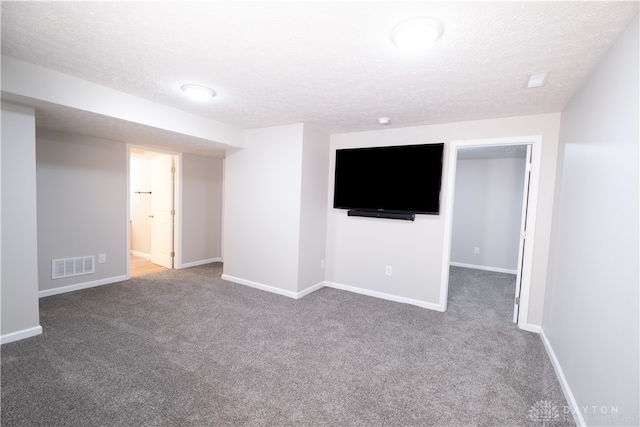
(409,216)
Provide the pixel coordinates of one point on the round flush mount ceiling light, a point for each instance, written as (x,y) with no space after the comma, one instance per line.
(417,34)
(198,92)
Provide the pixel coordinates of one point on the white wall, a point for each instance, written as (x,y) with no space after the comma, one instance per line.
(201,211)
(82,205)
(359,248)
(19,277)
(140,204)
(591,310)
(487,213)
(275,204)
(313,209)
(262,196)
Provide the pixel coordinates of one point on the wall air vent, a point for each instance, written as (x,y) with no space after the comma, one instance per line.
(72,266)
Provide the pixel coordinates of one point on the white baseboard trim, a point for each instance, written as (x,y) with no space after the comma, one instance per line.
(79,286)
(531,328)
(140,254)
(484,267)
(197,263)
(263,287)
(260,286)
(20,335)
(568,394)
(382,295)
(310,289)
(297,295)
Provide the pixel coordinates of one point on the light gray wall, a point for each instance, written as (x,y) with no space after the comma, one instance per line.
(201,212)
(82,205)
(19,277)
(358,249)
(487,212)
(262,196)
(313,208)
(591,310)
(275,207)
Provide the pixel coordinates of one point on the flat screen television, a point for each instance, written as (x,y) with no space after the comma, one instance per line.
(402,179)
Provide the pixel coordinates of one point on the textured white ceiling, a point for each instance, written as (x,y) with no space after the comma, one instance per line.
(329,64)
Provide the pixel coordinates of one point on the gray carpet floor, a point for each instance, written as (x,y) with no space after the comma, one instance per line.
(185,348)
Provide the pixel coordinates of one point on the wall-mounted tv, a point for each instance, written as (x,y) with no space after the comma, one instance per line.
(390,182)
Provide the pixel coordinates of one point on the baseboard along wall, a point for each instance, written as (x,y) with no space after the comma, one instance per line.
(307,291)
(79,286)
(197,263)
(140,254)
(566,389)
(257,285)
(382,295)
(20,335)
(272,289)
(484,267)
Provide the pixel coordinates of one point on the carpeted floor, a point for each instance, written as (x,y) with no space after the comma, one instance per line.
(185,348)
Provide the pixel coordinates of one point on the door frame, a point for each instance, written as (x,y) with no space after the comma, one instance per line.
(177,202)
(163,208)
(527,265)
(523,229)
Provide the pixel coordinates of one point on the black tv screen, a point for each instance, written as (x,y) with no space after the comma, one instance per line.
(404,178)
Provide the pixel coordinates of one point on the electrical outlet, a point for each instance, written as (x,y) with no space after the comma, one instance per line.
(476,250)
(388,270)
(102,258)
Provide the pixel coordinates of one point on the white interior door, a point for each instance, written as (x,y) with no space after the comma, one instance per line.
(523,233)
(162,210)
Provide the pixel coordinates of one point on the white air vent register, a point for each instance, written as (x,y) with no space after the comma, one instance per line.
(72,266)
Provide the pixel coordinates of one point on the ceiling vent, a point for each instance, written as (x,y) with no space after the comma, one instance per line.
(536,80)
(72,267)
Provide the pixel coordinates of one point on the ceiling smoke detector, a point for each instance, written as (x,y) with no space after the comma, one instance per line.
(417,34)
(198,92)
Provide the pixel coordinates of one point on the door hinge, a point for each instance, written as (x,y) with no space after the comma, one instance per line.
(517,300)
(173,254)
(173,169)
(528,167)
(173,211)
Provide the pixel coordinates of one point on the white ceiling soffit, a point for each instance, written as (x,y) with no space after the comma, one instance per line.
(328,64)
(70,120)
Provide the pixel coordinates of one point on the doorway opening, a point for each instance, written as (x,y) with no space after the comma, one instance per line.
(152,210)
(490,207)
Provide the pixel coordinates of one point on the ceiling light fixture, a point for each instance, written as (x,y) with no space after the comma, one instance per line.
(536,80)
(198,92)
(417,34)
(383,121)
